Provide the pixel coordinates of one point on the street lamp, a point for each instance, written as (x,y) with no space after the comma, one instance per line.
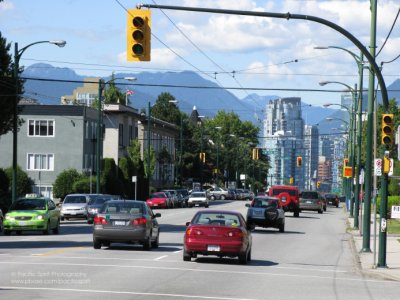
(17,56)
(102,86)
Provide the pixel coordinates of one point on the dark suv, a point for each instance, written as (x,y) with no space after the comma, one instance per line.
(332,199)
(265,212)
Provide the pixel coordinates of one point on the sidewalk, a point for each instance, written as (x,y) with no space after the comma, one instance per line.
(366,259)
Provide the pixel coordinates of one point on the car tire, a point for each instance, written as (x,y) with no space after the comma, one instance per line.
(62,218)
(282,227)
(320,211)
(18,232)
(96,244)
(186,256)
(249,255)
(106,243)
(243,258)
(56,230)
(156,242)
(325,208)
(47,230)
(7,232)
(147,243)
(212,197)
(206,205)
(222,197)
(296,214)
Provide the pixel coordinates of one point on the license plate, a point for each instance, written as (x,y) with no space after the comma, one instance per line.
(22,223)
(155,204)
(283,200)
(330,202)
(72,213)
(213,248)
(258,212)
(119,223)
(196,204)
(308,202)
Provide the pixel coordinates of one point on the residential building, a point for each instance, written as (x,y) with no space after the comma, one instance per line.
(83,95)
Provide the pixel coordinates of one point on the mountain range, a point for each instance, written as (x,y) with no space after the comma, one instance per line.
(189,88)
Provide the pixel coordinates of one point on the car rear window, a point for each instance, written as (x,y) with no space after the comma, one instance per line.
(197,194)
(29,204)
(264,203)
(123,208)
(219,219)
(75,199)
(276,192)
(158,195)
(99,201)
(309,195)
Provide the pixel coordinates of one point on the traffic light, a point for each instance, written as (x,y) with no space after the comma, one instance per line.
(138,35)
(387,129)
(386,164)
(255,154)
(318,184)
(202,157)
(291,180)
(299,161)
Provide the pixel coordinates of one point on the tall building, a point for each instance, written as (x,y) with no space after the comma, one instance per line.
(311,151)
(283,131)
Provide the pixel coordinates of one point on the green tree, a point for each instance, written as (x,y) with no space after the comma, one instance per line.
(82,185)
(149,172)
(63,185)
(7,87)
(5,199)
(111,181)
(24,182)
(134,153)
(165,110)
(112,93)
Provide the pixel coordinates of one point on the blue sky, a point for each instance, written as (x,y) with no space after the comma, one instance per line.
(260,51)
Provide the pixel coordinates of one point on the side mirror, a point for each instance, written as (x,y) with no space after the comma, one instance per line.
(187,224)
(157,215)
(247,205)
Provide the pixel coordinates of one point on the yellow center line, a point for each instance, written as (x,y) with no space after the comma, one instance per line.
(58,251)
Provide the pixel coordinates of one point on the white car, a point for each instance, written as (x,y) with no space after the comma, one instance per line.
(198,199)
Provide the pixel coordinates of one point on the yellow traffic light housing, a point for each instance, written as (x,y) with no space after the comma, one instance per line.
(255,154)
(318,184)
(299,161)
(202,157)
(387,129)
(138,35)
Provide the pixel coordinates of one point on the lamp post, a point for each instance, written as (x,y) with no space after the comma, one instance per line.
(17,56)
(352,129)
(102,86)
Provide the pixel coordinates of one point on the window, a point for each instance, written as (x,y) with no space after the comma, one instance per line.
(121,135)
(40,162)
(41,128)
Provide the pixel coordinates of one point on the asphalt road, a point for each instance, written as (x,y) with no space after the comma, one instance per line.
(313,259)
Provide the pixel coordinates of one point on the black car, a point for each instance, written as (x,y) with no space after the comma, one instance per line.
(185,195)
(265,212)
(332,199)
(95,205)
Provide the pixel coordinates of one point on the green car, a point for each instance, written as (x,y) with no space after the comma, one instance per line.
(31,214)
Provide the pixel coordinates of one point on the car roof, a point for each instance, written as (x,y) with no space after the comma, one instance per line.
(124,201)
(289,187)
(266,198)
(218,211)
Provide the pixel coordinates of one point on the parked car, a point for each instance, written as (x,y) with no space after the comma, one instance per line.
(185,195)
(95,205)
(217,193)
(217,232)
(159,200)
(126,221)
(311,200)
(75,206)
(289,196)
(265,212)
(198,199)
(32,214)
(332,199)
(172,194)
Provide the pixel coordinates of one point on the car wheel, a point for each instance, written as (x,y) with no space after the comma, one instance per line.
(18,232)
(222,197)
(56,230)
(206,205)
(282,227)
(325,208)
(106,243)
(243,258)
(47,230)
(212,197)
(147,243)
(7,232)
(296,214)
(249,255)
(96,244)
(320,211)
(62,218)
(155,243)
(186,256)
(190,206)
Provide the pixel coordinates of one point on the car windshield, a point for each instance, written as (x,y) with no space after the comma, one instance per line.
(29,204)
(221,219)
(330,196)
(159,195)
(122,208)
(197,194)
(98,201)
(276,192)
(75,199)
(264,203)
(309,195)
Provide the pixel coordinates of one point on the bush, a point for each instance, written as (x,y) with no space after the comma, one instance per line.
(64,182)
(24,182)
(82,185)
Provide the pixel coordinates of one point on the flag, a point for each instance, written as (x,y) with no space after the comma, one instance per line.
(129,92)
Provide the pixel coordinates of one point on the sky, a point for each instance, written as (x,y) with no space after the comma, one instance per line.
(232,51)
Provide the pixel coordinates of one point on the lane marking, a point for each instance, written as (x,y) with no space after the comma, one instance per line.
(59,251)
(204,270)
(122,293)
(178,251)
(161,257)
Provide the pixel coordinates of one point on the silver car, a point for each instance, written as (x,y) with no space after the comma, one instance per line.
(198,199)
(311,200)
(126,221)
(75,206)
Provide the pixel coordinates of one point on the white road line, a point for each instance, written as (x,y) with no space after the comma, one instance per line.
(201,270)
(122,292)
(161,257)
(177,251)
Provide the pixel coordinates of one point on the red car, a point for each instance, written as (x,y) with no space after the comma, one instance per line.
(289,196)
(217,232)
(159,200)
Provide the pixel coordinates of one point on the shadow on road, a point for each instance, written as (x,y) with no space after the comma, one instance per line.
(172,228)
(44,244)
(232,261)
(272,231)
(137,247)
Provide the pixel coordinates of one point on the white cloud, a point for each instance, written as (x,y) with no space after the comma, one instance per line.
(6,6)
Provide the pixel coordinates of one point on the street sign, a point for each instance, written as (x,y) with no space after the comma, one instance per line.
(378,167)
(347,171)
(391,167)
(362,175)
(395,213)
(134,178)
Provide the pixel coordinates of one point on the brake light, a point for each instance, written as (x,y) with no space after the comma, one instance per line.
(193,232)
(139,221)
(100,220)
(235,233)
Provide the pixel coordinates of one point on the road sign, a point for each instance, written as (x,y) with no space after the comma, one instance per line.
(134,178)
(347,171)
(378,167)
(391,167)
(395,214)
